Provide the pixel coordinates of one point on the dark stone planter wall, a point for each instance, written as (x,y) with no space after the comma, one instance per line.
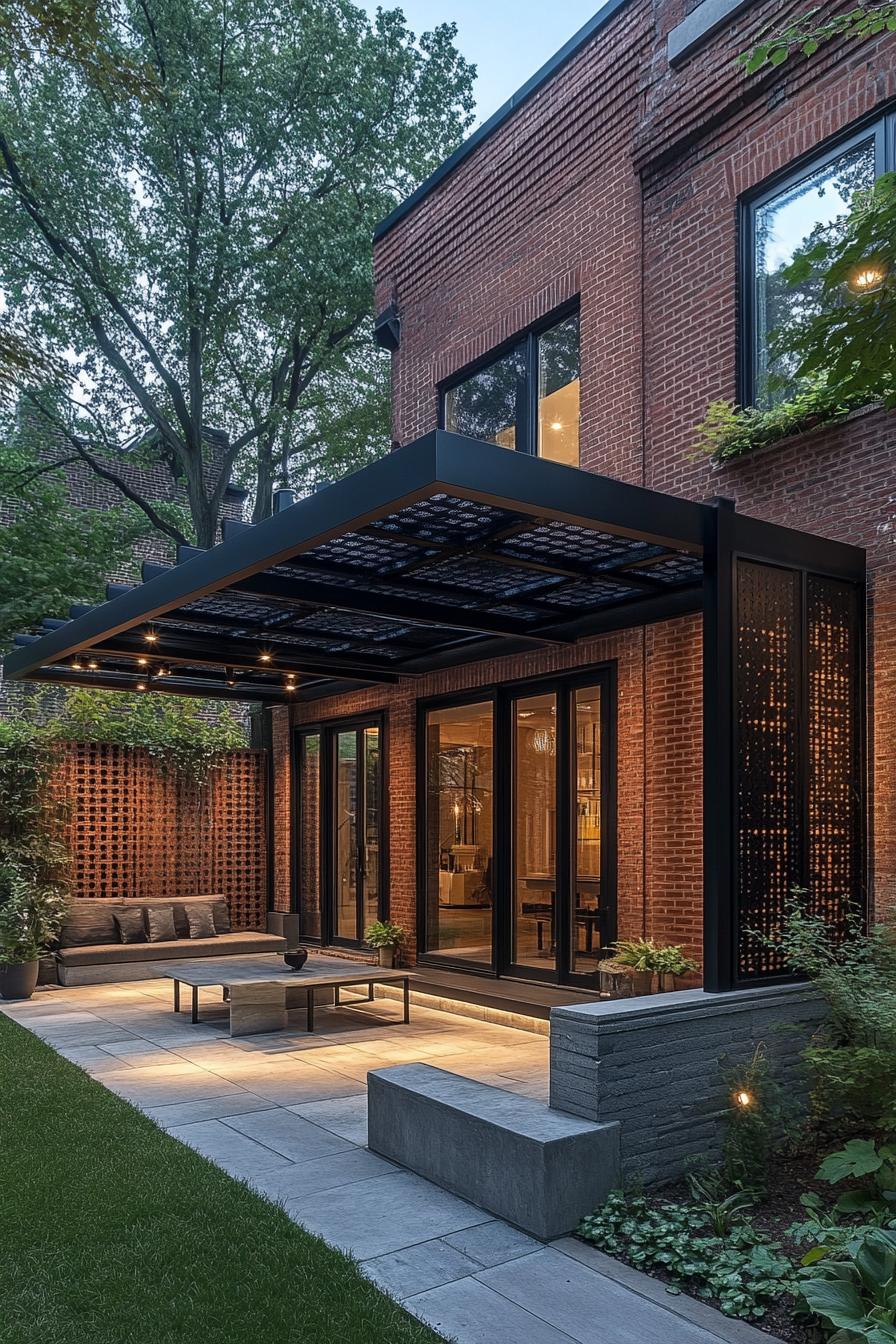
(660,1066)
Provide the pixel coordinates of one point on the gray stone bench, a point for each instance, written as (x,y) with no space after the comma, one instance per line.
(539,1168)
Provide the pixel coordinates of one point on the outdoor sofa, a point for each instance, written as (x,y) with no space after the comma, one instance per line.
(91,949)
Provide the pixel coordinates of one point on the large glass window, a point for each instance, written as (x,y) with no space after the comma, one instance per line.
(526,399)
(784,223)
(459,832)
(484,406)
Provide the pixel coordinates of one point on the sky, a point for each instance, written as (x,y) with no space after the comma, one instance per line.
(508,40)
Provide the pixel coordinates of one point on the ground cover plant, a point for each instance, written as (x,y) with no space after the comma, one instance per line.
(115,1233)
(794,1226)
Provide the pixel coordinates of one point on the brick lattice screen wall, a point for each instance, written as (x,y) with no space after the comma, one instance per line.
(134,831)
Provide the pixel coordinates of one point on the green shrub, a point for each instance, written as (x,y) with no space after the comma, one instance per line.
(755,1124)
(743,1271)
(851,1059)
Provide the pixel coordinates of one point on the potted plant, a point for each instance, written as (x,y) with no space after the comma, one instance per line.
(31,914)
(637,954)
(387,938)
(670,964)
(615,979)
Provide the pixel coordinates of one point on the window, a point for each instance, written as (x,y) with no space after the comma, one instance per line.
(783,222)
(527,398)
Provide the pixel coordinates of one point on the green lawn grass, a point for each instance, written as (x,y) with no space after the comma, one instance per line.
(113,1233)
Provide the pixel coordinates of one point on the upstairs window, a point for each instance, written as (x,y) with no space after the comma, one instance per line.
(526,398)
(780,224)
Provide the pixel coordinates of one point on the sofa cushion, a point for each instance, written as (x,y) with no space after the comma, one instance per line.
(224,945)
(89,922)
(200,921)
(220,914)
(160,924)
(130,926)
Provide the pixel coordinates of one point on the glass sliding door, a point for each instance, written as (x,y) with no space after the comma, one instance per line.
(370,858)
(340,844)
(586,909)
(308,854)
(346,823)
(516,838)
(534,832)
(458,849)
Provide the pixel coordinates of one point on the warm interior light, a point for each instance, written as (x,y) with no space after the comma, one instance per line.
(867,277)
(556,425)
(744,1098)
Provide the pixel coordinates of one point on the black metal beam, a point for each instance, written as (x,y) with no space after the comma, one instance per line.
(191,648)
(128,683)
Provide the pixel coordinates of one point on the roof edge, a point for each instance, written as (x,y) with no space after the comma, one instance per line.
(516,100)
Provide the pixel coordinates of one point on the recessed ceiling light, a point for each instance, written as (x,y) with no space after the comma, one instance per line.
(93,664)
(142,662)
(150,636)
(264,657)
(141,685)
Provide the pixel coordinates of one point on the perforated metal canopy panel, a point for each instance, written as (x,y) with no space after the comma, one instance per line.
(446,551)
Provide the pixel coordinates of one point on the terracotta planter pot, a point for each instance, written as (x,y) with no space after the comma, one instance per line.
(387,957)
(18,980)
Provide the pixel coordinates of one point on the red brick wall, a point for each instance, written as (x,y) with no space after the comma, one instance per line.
(136,832)
(618,181)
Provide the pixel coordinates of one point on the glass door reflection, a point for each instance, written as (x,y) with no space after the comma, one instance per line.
(308,874)
(585,910)
(345,824)
(534,833)
(459,877)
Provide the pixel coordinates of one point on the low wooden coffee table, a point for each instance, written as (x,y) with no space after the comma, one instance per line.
(259,989)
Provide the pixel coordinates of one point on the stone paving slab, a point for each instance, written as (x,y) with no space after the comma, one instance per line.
(288,1114)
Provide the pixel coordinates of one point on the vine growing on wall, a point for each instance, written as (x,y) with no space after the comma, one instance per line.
(31,814)
(185,737)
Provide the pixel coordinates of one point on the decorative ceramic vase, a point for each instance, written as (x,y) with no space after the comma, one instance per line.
(18,980)
(387,957)
(296,959)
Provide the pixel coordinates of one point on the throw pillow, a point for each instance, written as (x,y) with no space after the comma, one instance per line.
(200,921)
(160,924)
(221,916)
(129,923)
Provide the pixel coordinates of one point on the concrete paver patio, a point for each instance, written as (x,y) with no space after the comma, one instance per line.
(287,1113)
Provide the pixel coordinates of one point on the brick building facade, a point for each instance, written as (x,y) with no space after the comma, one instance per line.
(615,188)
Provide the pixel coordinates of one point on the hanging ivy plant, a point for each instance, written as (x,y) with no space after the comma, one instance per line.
(729,431)
(185,737)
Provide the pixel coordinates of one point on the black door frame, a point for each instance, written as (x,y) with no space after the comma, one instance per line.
(502,697)
(329,730)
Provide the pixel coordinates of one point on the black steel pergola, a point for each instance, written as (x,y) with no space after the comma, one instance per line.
(451,550)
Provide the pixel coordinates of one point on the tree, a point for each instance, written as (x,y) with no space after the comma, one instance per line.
(51,553)
(198,248)
(809,32)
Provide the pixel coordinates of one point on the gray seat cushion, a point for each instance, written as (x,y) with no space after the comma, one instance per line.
(223,945)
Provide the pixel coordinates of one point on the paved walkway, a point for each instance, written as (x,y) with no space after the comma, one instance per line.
(288,1114)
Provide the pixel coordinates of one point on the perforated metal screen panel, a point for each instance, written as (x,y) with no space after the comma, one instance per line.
(797,755)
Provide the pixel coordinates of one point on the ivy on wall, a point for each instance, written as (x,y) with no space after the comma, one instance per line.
(729,431)
(185,737)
